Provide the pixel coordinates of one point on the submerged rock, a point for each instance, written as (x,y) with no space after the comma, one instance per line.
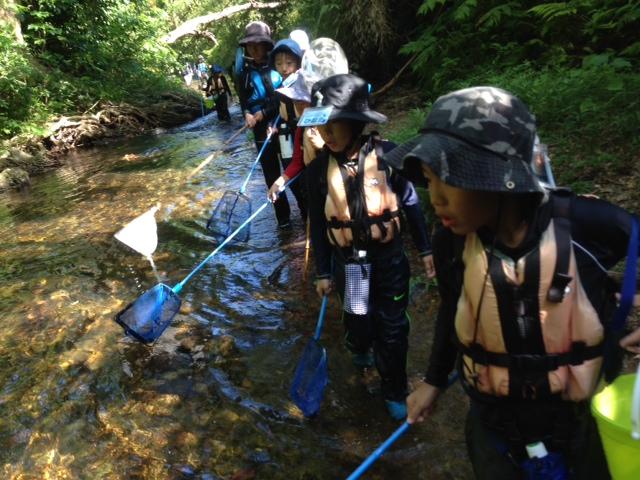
(227,346)
(13,178)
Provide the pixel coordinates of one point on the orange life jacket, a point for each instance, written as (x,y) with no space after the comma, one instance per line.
(536,333)
(380,222)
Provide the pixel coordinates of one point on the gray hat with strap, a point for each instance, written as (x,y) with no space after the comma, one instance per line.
(479,138)
(256,32)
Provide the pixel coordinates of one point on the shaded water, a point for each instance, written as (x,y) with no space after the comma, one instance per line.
(209,399)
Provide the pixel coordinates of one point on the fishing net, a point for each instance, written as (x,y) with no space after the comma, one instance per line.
(141,233)
(146,318)
(310,379)
(233,210)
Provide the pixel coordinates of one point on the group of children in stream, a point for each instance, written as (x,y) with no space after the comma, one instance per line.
(525,299)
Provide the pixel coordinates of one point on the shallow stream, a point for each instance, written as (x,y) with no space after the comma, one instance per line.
(209,399)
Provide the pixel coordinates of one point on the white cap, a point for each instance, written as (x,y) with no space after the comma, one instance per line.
(301,38)
(537,450)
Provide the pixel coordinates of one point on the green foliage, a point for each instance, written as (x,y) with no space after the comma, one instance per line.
(549,11)
(575,63)
(16,96)
(458,37)
(408,127)
(588,115)
(78,53)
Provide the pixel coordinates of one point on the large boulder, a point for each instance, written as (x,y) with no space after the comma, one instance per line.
(13,178)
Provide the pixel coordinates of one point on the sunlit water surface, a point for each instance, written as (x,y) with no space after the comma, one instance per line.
(209,399)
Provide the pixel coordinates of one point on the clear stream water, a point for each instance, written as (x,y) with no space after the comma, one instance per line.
(209,399)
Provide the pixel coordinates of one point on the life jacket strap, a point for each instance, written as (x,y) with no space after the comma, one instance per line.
(386,216)
(578,354)
(562,228)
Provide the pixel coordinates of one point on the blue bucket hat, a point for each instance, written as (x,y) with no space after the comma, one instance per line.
(285,46)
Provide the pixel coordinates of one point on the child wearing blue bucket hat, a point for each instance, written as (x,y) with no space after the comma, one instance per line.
(526,302)
(286,58)
(355,204)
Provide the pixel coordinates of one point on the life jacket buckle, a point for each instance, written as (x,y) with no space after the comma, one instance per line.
(360,256)
(534,363)
(559,287)
(577,353)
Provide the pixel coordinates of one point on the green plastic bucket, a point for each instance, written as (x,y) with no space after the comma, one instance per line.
(612,410)
(209,102)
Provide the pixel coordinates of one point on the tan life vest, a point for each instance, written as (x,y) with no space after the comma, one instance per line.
(218,86)
(283,112)
(569,331)
(381,203)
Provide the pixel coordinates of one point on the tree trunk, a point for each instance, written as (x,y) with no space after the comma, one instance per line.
(191,27)
(8,15)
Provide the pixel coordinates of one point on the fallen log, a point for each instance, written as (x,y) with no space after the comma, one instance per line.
(192,27)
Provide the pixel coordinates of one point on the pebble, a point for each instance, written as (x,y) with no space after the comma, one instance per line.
(227,346)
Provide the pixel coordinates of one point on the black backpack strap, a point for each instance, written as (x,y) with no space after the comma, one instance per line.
(292,121)
(265,74)
(561,211)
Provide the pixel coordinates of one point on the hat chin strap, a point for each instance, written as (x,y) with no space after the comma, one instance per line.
(352,147)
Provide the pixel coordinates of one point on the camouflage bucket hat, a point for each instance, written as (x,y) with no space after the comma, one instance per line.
(479,138)
(322,59)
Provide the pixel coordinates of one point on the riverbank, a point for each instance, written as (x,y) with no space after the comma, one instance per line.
(24,156)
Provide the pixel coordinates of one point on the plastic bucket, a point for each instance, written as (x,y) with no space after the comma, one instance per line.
(612,410)
(209,102)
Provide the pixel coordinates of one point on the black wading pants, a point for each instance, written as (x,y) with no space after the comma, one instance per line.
(271,168)
(386,326)
(222,106)
(497,434)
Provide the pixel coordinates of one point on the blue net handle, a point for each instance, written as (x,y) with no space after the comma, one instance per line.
(255,162)
(323,309)
(377,453)
(629,286)
(181,285)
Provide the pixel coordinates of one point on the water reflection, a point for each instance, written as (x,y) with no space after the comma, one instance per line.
(209,399)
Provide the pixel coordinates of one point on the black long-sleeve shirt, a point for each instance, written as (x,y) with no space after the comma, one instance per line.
(599,227)
(317,192)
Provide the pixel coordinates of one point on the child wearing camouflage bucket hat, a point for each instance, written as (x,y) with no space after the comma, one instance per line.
(354,209)
(525,297)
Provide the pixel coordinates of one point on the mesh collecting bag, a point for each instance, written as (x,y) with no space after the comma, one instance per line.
(356,291)
(147,317)
(233,210)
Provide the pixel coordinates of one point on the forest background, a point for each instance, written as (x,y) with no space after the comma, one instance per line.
(575,63)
